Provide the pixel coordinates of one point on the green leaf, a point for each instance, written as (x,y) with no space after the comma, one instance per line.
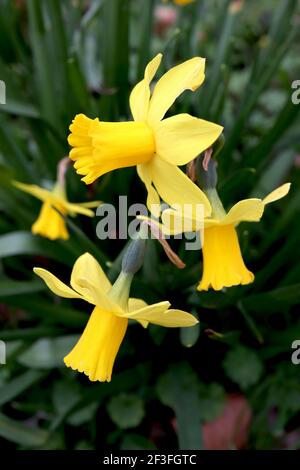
(50,312)
(48,353)
(275,174)
(65,397)
(144,43)
(284,121)
(18,385)
(126,410)
(10,287)
(84,415)
(29,333)
(20,109)
(229,23)
(126,380)
(42,61)
(23,243)
(85,243)
(179,389)
(243,366)
(115,20)
(254,90)
(21,434)
(277,299)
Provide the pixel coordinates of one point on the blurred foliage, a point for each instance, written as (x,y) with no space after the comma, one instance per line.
(59,58)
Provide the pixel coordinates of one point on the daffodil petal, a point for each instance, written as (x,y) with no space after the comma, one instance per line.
(175,188)
(247,210)
(34,190)
(78,208)
(55,285)
(90,281)
(188,75)
(153,201)
(140,95)
(174,318)
(136,304)
(160,315)
(175,222)
(90,204)
(145,313)
(277,193)
(179,139)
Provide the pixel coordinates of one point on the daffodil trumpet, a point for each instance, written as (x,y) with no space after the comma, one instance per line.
(223,264)
(95,352)
(50,222)
(156,146)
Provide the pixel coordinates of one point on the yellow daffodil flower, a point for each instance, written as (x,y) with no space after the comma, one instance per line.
(183,2)
(180,2)
(223,265)
(50,223)
(96,350)
(155,145)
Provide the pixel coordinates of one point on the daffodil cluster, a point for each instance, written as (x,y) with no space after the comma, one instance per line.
(157,146)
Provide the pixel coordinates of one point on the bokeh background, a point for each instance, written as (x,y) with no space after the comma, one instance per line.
(228,384)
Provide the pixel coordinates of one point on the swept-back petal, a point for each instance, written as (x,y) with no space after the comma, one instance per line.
(153,201)
(175,188)
(277,193)
(176,222)
(90,204)
(160,315)
(179,139)
(55,285)
(90,281)
(81,208)
(137,304)
(140,95)
(247,210)
(87,266)
(177,318)
(188,75)
(34,190)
